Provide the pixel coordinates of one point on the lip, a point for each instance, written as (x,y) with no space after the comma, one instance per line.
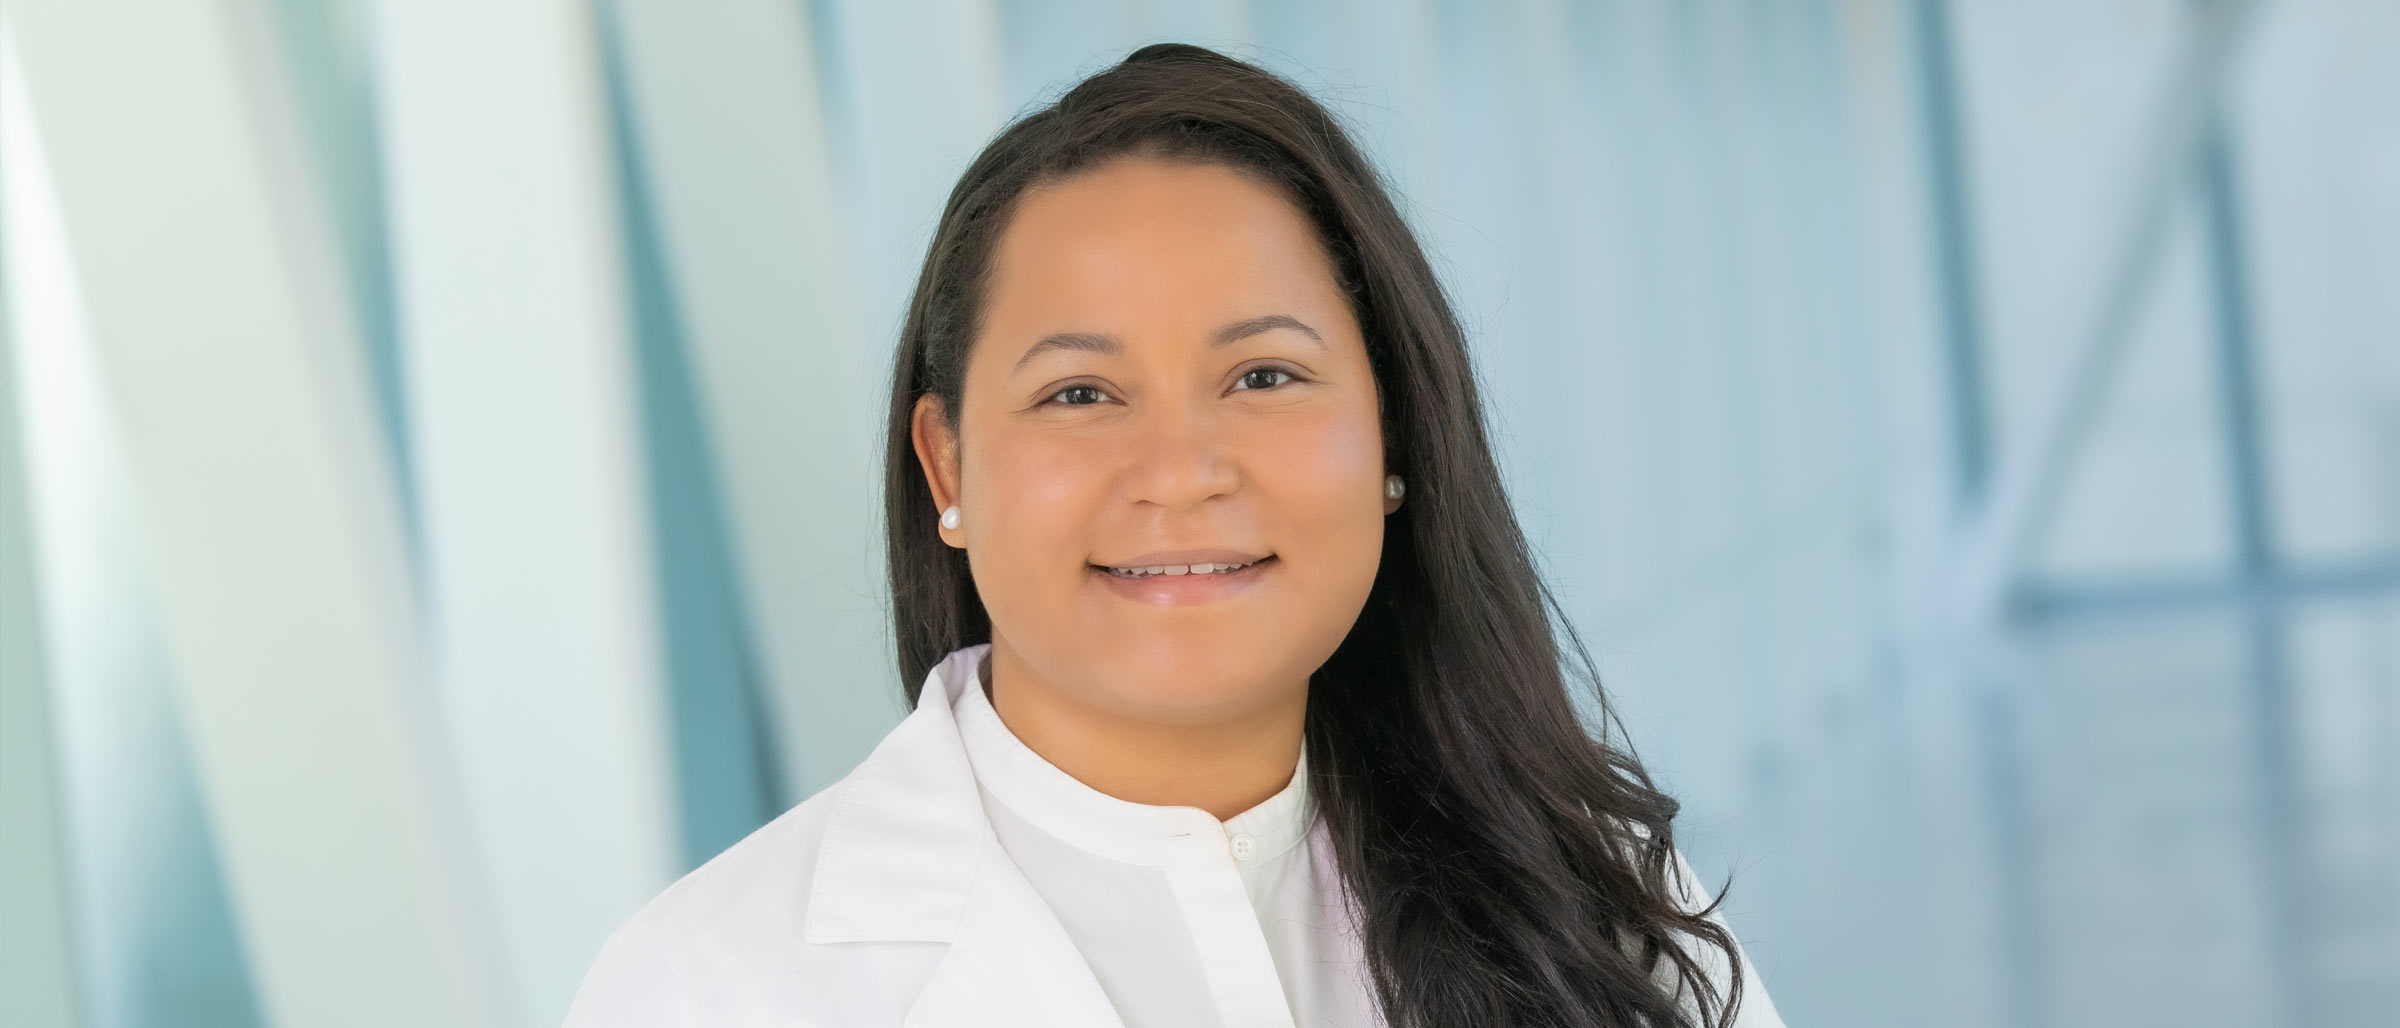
(1185,590)
(1159,557)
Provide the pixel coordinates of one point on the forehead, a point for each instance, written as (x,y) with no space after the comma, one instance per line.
(1145,243)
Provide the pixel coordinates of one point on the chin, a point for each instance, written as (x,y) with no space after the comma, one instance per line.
(1191,674)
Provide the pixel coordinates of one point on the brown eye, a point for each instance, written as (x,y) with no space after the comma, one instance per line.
(1259,378)
(1093,394)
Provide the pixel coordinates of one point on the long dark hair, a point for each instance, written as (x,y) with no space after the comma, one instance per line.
(1507,868)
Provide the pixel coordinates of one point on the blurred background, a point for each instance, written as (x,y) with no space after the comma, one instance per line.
(438,477)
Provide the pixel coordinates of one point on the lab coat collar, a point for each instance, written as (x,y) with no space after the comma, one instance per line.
(907,830)
(909,855)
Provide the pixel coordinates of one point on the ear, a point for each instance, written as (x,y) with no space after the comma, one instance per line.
(937,452)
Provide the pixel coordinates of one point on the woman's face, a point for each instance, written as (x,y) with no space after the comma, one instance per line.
(1166,375)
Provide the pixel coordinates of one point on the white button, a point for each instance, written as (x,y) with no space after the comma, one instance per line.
(1243,846)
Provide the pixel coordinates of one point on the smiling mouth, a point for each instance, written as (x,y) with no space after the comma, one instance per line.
(1155,570)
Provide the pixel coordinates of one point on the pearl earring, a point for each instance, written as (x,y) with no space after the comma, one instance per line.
(950,517)
(1393,487)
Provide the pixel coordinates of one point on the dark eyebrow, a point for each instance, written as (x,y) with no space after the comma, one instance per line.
(1245,329)
(1096,342)
(1102,342)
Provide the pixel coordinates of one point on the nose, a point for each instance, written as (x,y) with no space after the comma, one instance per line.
(1180,457)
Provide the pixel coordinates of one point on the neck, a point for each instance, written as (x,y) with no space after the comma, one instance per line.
(1224,767)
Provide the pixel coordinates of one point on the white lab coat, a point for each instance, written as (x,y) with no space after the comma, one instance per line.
(884,899)
(897,862)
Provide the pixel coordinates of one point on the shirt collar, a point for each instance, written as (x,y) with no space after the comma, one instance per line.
(1135,833)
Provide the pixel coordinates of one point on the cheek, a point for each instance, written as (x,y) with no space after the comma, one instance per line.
(1326,476)
(1032,478)
(1030,496)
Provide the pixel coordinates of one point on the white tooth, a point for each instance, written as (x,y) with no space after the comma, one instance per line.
(1179,569)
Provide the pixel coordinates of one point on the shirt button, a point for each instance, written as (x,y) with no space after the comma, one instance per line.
(1243,846)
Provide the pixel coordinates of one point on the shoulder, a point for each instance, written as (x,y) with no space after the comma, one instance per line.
(1692,896)
(1755,1010)
(729,905)
(729,895)
(723,946)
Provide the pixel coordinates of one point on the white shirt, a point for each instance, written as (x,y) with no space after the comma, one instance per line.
(1187,921)
(917,891)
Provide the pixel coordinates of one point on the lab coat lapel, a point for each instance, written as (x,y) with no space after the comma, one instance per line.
(1012,963)
(910,855)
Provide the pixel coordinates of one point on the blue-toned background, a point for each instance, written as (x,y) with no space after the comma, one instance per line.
(438,483)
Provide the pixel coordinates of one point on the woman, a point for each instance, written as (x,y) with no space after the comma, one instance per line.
(1236,698)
